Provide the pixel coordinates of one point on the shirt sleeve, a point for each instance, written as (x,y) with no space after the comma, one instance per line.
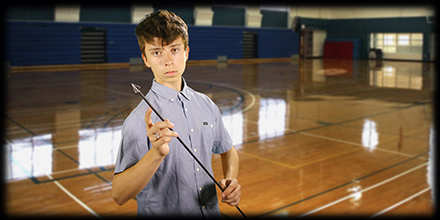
(134,143)
(222,140)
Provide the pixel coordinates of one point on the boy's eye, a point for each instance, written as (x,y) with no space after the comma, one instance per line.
(156,53)
(175,50)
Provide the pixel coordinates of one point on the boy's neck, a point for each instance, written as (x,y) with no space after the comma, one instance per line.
(178,85)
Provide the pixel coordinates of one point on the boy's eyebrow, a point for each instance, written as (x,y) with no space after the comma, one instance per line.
(175,45)
(155,48)
(161,48)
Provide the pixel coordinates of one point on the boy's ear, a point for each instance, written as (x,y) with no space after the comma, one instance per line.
(145,61)
(187,53)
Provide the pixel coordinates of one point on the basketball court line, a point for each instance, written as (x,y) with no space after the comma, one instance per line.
(65,147)
(248,154)
(357,144)
(115,116)
(111,90)
(51,179)
(291,131)
(401,202)
(248,107)
(363,190)
(341,185)
(96,173)
(195,81)
(74,197)
(65,171)
(236,89)
(299,165)
(233,88)
(20,125)
(108,121)
(390,133)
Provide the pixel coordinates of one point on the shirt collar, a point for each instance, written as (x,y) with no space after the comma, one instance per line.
(169,93)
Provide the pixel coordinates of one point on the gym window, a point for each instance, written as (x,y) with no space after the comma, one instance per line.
(397,42)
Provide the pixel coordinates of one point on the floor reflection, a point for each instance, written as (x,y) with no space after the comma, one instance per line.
(234,125)
(432,181)
(370,136)
(271,118)
(355,194)
(84,110)
(33,157)
(403,77)
(98,148)
(29,157)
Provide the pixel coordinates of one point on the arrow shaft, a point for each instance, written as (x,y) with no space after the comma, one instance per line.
(184,145)
(187,149)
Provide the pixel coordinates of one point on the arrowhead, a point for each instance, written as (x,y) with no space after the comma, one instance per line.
(136,88)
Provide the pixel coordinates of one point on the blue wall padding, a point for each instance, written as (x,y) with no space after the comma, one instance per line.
(121,44)
(277,43)
(40,45)
(54,43)
(206,43)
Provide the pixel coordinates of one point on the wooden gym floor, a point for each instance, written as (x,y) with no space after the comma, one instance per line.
(316,137)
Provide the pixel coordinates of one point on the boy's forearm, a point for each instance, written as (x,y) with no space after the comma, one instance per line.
(230,163)
(129,183)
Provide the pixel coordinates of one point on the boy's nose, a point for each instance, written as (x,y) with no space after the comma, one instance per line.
(168,59)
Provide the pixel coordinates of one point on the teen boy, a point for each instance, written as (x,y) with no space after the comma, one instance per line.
(153,165)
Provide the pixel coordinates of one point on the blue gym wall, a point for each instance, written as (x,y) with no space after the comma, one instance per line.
(28,45)
(33,38)
(52,43)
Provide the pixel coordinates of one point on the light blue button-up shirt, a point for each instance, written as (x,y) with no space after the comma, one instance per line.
(179,186)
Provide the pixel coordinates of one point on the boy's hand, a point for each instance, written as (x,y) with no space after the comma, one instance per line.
(232,193)
(159,133)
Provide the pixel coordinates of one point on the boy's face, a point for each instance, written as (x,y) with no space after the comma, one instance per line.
(167,62)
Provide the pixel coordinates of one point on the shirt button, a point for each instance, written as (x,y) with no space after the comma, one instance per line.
(195,150)
(192,130)
(197,169)
(200,188)
(212,126)
(186,109)
(172,100)
(203,207)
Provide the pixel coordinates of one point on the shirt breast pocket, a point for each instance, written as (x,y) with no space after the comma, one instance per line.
(208,132)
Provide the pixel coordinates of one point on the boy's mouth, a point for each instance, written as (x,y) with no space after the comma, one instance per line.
(171,73)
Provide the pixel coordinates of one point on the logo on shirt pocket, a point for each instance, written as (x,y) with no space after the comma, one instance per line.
(208,131)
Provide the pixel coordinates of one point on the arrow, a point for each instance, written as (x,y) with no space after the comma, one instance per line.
(136,89)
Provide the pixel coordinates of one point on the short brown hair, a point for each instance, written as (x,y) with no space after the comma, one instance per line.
(162,24)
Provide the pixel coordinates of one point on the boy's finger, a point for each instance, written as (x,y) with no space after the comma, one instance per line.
(222,183)
(163,124)
(168,132)
(147,119)
(231,185)
(229,189)
(234,193)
